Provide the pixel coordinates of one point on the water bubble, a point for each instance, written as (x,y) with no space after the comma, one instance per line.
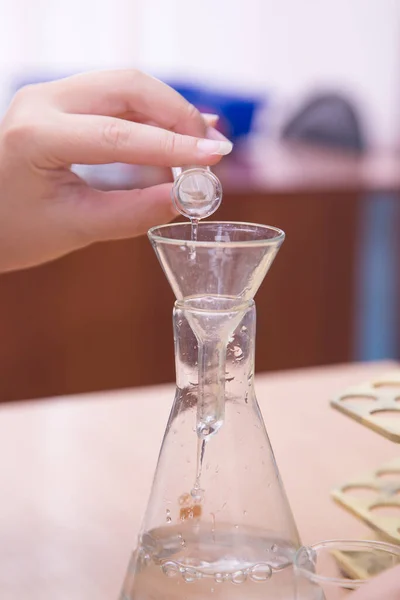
(170,569)
(169,519)
(239,577)
(190,575)
(219,577)
(243,329)
(274,548)
(260,572)
(197,494)
(168,513)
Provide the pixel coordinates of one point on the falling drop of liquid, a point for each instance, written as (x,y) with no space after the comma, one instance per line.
(194,232)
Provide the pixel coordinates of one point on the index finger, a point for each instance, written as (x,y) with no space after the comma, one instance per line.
(113,93)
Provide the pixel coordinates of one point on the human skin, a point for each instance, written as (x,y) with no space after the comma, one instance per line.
(383,587)
(122,116)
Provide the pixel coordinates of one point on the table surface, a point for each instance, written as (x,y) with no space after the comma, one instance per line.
(76,473)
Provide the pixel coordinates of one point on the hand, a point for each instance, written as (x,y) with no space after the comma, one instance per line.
(383,587)
(46,210)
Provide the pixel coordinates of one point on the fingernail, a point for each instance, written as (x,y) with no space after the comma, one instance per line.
(210,118)
(209,147)
(214,134)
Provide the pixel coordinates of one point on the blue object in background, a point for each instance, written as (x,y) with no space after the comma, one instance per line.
(377,280)
(236,111)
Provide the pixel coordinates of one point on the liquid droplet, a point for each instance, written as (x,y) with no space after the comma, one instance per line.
(170,569)
(274,548)
(244,329)
(219,578)
(260,572)
(239,577)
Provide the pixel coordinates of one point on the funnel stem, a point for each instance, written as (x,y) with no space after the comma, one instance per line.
(211,386)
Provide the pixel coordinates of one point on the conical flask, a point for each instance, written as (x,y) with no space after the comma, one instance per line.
(218,523)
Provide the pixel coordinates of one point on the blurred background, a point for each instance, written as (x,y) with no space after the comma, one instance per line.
(310,94)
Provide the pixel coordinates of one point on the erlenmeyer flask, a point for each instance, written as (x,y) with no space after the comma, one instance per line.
(218,524)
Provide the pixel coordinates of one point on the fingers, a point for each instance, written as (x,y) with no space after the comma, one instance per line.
(385,586)
(114,93)
(88,139)
(115,215)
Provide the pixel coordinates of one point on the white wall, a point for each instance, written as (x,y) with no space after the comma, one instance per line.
(282,46)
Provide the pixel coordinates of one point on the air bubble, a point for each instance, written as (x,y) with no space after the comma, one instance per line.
(260,572)
(219,577)
(243,329)
(168,512)
(170,569)
(239,577)
(274,548)
(191,575)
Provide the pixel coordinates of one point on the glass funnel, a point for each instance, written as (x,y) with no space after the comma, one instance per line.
(218,524)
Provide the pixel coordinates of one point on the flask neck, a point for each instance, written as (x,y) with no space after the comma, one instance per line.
(225,364)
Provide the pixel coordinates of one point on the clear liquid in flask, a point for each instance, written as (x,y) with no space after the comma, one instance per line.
(224,563)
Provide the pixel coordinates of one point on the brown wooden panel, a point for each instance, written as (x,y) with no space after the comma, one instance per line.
(101,318)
